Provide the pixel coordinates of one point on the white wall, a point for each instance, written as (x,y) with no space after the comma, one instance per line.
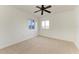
(14,27)
(62,25)
(77,25)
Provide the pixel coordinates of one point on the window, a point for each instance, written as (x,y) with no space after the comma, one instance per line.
(31,24)
(45,24)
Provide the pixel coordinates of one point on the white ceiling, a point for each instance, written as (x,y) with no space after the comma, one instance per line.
(31,8)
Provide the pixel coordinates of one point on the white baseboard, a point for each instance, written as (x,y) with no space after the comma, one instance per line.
(55,38)
(16,42)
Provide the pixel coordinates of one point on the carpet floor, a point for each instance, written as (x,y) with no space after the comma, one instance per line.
(41,45)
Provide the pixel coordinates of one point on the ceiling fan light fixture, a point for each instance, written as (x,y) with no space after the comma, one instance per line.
(43,9)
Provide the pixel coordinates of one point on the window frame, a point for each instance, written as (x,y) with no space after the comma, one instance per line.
(31,24)
(45,24)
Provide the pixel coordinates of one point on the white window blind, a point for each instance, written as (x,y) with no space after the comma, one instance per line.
(45,24)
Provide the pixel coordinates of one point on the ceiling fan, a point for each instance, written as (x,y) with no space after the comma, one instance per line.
(43,8)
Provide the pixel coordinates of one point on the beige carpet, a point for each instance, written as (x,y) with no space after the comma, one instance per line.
(41,45)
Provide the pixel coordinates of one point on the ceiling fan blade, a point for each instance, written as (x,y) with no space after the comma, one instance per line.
(48,6)
(42,12)
(38,7)
(37,11)
(47,11)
